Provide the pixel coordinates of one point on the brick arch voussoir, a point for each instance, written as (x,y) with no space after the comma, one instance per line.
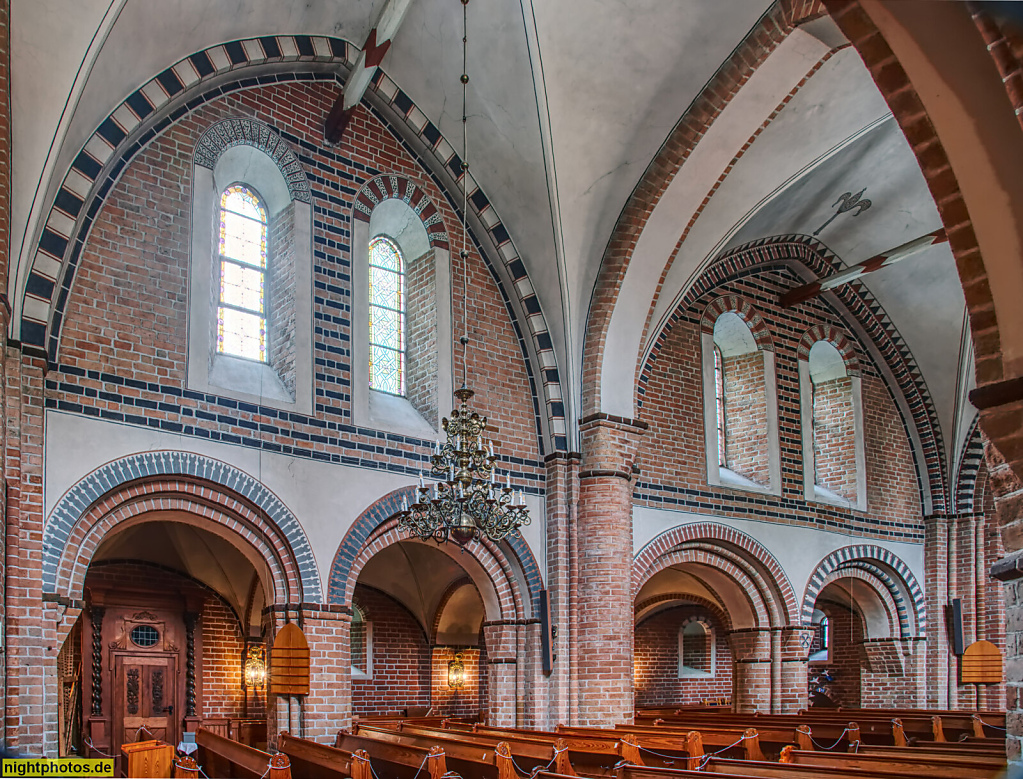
(885,566)
(969,484)
(397,187)
(878,587)
(746,311)
(247,131)
(220,494)
(741,577)
(140,500)
(376,529)
(835,337)
(751,551)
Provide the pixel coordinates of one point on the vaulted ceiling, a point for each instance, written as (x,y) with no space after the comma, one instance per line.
(569,102)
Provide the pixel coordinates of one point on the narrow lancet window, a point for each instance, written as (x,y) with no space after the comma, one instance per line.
(719,391)
(241,313)
(386,317)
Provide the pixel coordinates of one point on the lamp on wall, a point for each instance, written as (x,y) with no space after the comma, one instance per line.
(456,672)
(467,503)
(254,667)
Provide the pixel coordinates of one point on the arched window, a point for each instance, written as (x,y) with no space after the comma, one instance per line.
(719,392)
(241,313)
(361,634)
(695,648)
(740,407)
(833,429)
(386,317)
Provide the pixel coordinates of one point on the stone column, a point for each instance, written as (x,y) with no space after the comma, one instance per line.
(561,495)
(603,607)
(794,657)
(328,706)
(502,658)
(751,679)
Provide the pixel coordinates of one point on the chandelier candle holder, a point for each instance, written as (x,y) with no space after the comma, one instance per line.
(467,503)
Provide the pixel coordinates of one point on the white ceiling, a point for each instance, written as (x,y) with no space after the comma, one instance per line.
(569,102)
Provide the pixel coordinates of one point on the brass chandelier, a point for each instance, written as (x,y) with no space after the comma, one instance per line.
(466,503)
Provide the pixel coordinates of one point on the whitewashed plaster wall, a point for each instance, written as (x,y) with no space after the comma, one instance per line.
(798,550)
(325,498)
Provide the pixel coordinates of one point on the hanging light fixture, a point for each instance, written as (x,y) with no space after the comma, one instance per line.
(456,672)
(467,503)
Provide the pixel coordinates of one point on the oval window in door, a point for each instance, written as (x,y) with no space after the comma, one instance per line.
(144,636)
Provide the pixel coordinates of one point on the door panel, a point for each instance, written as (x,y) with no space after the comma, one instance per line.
(145,687)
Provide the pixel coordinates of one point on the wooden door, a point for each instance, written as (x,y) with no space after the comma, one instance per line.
(145,697)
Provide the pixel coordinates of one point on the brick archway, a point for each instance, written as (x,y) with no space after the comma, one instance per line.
(510,570)
(388,187)
(878,587)
(731,546)
(887,568)
(207,492)
(836,338)
(738,305)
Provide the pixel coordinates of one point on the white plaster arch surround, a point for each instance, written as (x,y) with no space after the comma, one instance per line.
(245,163)
(740,119)
(395,219)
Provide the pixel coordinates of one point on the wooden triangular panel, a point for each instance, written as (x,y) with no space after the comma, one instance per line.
(289,662)
(981,664)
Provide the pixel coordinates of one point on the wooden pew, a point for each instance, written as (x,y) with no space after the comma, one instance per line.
(221,757)
(902,762)
(650,741)
(317,761)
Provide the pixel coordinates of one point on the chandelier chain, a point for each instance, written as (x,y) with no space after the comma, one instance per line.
(466,503)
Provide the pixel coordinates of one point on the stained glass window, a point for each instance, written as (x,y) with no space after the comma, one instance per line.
(241,314)
(386,317)
(719,392)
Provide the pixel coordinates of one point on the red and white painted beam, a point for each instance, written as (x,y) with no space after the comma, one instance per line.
(377,43)
(890,257)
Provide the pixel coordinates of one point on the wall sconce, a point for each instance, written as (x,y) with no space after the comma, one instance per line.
(254,667)
(456,672)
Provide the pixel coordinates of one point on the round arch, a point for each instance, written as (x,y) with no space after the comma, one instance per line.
(387,187)
(505,574)
(739,550)
(738,305)
(832,335)
(885,567)
(197,489)
(878,609)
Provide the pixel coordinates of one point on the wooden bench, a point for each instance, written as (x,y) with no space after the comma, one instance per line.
(219,756)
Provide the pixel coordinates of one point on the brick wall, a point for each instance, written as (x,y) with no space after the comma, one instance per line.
(123,346)
(223,644)
(746,416)
(421,308)
(672,458)
(834,437)
(656,661)
(401,658)
(281,302)
(462,702)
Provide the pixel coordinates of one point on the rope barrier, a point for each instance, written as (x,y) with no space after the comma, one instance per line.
(93,747)
(707,757)
(989,725)
(421,765)
(856,746)
(828,749)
